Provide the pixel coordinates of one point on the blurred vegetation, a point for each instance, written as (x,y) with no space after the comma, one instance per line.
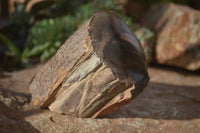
(47,36)
(149,3)
(147,39)
(35,36)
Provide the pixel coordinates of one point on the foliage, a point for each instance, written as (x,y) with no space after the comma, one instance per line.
(18,24)
(64,7)
(55,8)
(149,3)
(42,41)
(107,5)
(47,35)
(147,39)
(16,28)
(10,45)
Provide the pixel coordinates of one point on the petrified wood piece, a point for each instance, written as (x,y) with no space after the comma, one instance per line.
(92,69)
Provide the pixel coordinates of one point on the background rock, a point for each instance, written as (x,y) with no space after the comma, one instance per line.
(13,121)
(178,39)
(14,88)
(11,100)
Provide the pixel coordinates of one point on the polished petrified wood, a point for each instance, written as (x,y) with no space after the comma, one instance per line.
(94,71)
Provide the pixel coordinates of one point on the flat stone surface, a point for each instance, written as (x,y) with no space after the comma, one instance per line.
(12,121)
(170,103)
(14,88)
(54,123)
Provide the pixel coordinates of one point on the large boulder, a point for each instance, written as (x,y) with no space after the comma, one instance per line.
(169,105)
(99,62)
(178,35)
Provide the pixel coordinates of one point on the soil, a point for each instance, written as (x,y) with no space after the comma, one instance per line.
(170,103)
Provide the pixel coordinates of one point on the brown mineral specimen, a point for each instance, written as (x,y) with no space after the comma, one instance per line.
(92,69)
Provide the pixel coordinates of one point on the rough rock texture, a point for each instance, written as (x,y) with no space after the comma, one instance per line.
(12,100)
(15,97)
(171,98)
(91,68)
(13,88)
(12,121)
(170,103)
(178,35)
(52,123)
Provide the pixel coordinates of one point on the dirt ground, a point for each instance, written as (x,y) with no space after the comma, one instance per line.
(170,103)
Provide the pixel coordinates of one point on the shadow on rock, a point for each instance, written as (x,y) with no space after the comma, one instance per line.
(13,121)
(14,100)
(163,101)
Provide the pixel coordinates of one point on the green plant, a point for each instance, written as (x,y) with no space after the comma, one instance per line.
(11,55)
(10,45)
(64,7)
(107,5)
(147,39)
(47,36)
(17,25)
(14,32)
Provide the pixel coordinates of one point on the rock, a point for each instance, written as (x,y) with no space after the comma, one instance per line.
(178,39)
(13,101)
(14,87)
(13,121)
(101,60)
(51,123)
(170,102)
